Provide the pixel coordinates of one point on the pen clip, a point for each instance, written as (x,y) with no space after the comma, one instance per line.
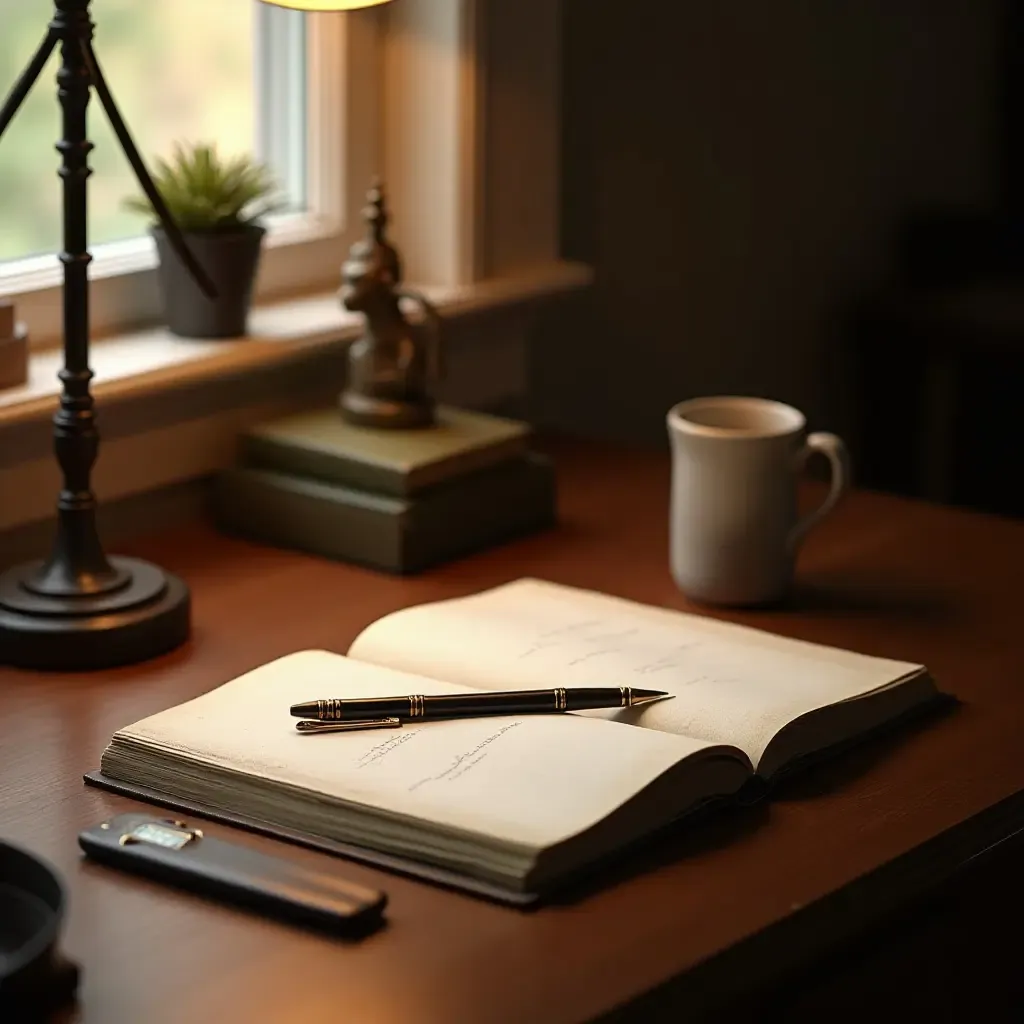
(311,726)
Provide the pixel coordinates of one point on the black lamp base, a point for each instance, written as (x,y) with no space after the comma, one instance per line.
(149,615)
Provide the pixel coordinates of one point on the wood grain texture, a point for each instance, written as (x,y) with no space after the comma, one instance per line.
(742,897)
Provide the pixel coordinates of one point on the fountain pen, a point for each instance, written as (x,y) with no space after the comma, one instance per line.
(335,715)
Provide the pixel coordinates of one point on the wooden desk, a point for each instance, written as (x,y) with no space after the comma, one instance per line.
(743,901)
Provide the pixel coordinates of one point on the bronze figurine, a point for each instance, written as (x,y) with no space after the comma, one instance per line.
(393,367)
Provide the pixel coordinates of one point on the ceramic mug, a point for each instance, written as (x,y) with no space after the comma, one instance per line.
(735,529)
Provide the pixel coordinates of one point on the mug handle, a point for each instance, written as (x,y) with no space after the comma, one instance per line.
(833,448)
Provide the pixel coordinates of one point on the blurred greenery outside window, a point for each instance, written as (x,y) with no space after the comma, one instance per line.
(228,71)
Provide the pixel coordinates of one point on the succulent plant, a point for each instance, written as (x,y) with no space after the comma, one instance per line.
(205,192)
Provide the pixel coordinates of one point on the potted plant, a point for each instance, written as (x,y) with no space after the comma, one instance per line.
(218,204)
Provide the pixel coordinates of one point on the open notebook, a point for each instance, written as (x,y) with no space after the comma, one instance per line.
(512,805)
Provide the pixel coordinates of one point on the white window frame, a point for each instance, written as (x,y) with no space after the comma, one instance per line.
(303,251)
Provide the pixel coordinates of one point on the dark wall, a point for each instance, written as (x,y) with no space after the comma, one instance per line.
(735,172)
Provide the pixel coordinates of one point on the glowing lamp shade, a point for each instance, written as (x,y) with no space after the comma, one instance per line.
(325,5)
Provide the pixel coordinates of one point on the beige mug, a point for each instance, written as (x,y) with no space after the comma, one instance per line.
(735,528)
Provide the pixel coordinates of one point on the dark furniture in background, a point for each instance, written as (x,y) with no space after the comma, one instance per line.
(939,394)
(882,885)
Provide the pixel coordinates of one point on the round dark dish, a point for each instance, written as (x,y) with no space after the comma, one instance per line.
(34,978)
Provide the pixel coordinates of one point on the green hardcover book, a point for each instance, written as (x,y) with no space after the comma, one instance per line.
(399,535)
(320,445)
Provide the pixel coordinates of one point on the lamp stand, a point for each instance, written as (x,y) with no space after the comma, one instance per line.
(79,609)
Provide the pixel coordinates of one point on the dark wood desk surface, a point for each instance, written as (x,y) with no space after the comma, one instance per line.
(886,576)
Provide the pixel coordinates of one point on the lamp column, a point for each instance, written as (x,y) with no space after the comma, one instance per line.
(80,609)
(78,564)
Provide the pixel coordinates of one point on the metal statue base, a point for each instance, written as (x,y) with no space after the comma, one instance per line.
(367,411)
(149,614)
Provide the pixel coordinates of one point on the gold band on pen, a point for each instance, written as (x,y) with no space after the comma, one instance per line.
(561,699)
(329,710)
(626,696)
(416,707)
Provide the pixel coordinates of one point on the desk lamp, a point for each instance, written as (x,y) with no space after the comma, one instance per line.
(80,609)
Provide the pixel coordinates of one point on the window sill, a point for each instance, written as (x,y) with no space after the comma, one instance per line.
(171,410)
(151,361)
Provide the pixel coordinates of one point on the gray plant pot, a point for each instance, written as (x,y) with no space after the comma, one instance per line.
(231,258)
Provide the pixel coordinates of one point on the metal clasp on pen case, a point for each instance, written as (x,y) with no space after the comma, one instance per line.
(171,835)
(312,727)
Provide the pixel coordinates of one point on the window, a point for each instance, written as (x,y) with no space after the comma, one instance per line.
(255,78)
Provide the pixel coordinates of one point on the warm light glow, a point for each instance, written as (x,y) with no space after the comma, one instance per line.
(325,5)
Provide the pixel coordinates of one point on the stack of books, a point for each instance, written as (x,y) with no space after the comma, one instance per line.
(397,500)
(13,349)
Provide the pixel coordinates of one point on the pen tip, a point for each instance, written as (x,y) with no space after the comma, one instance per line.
(307,709)
(638,697)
